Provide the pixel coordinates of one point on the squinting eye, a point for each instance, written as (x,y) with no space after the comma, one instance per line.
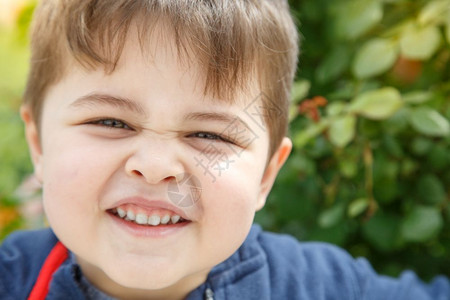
(207,135)
(113,123)
(210,136)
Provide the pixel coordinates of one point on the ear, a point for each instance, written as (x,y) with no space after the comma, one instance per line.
(271,172)
(32,136)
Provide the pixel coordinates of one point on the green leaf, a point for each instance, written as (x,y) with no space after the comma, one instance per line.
(293,112)
(431,190)
(397,123)
(374,58)
(335,235)
(378,104)
(429,122)
(335,108)
(434,12)
(354,18)
(438,158)
(409,166)
(421,145)
(421,224)
(420,43)
(348,167)
(386,190)
(302,164)
(300,90)
(357,207)
(385,168)
(333,65)
(342,130)
(304,136)
(382,231)
(447,30)
(418,97)
(331,216)
(393,146)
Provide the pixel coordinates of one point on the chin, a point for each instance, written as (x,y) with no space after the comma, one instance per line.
(146,279)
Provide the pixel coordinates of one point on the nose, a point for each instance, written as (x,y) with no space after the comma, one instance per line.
(155,160)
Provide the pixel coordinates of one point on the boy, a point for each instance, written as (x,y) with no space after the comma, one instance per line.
(157,128)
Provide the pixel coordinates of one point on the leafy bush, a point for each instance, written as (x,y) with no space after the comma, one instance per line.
(14,161)
(370,167)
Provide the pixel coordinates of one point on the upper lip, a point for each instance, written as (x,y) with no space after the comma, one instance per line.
(150,204)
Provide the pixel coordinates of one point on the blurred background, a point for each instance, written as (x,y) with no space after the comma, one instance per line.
(370,170)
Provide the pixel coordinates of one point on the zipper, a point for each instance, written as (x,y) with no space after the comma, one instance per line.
(209,293)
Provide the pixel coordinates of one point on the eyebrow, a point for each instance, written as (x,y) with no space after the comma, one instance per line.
(216,116)
(105,99)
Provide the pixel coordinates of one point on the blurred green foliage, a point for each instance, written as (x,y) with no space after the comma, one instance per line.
(14,161)
(371,133)
(370,126)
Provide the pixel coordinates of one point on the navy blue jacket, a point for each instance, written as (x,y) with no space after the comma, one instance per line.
(266,266)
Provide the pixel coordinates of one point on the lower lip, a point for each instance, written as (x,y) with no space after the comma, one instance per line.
(137,230)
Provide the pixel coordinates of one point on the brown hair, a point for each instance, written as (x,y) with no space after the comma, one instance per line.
(233,40)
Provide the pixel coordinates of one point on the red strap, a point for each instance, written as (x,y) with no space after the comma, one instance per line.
(56,257)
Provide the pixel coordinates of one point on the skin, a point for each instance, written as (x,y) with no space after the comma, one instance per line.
(87,166)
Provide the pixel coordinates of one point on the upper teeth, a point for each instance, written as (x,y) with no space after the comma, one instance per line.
(121,212)
(165,219)
(142,218)
(154,220)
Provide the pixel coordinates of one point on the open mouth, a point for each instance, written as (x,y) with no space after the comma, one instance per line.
(152,219)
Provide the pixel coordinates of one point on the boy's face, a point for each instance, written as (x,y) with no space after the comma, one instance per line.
(118,143)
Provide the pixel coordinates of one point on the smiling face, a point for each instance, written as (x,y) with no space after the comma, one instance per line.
(111,146)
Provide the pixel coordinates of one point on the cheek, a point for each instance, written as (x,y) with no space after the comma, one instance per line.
(69,171)
(70,164)
(230,206)
(72,180)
